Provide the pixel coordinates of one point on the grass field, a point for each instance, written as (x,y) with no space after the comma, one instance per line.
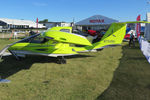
(10,35)
(119,73)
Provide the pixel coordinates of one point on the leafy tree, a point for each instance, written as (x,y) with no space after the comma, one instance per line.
(43,21)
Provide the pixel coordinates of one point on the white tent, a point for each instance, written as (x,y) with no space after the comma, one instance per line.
(21,22)
(96,20)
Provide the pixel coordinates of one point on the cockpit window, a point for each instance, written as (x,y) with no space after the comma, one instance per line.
(34,39)
(65,30)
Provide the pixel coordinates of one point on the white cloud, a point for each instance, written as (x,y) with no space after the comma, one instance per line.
(40,4)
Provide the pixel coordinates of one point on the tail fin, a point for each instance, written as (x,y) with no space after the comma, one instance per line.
(113,36)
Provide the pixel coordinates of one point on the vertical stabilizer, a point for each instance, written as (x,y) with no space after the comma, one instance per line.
(114,36)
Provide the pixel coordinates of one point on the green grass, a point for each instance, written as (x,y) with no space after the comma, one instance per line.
(111,74)
(131,80)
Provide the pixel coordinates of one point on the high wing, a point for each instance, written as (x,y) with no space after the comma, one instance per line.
(3,51)
(65,37)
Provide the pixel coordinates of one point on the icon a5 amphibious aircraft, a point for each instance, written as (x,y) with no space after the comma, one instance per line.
(56,42)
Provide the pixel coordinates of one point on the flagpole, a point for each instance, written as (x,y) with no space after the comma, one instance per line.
(37,24)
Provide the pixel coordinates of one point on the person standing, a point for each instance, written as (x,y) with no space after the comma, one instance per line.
(15,35)
(131,40)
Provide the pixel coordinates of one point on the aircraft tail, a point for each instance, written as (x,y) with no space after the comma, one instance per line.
(114,36)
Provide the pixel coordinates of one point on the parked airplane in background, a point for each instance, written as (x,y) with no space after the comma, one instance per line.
(56,42)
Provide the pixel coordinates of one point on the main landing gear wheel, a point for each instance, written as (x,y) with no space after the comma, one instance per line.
(61,60)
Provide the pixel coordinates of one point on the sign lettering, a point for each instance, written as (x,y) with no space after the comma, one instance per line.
(97,21)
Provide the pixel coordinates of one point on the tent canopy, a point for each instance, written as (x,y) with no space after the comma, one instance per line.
(96,20)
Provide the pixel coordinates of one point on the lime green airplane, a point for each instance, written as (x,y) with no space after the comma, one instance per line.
(58,42)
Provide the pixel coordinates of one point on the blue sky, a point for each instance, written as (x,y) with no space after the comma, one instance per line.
(66,10)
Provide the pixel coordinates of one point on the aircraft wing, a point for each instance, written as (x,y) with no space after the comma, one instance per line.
(134,22)
(7,54)
(65,37)
(2,52)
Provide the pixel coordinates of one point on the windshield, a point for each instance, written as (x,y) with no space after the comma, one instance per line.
(37,38)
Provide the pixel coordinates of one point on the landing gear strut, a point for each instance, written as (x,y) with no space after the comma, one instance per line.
(61,60)
(17,58)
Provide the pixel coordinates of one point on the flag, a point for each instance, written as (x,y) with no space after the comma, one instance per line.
(37,24)
(138,26)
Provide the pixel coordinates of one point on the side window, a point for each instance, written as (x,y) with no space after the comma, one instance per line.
(65,30)
(34,39)
(38,39)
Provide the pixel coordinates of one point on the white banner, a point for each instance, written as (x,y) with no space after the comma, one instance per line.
(148,53)
(145,48)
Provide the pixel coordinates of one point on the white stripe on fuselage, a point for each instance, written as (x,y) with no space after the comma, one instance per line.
(18,52)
